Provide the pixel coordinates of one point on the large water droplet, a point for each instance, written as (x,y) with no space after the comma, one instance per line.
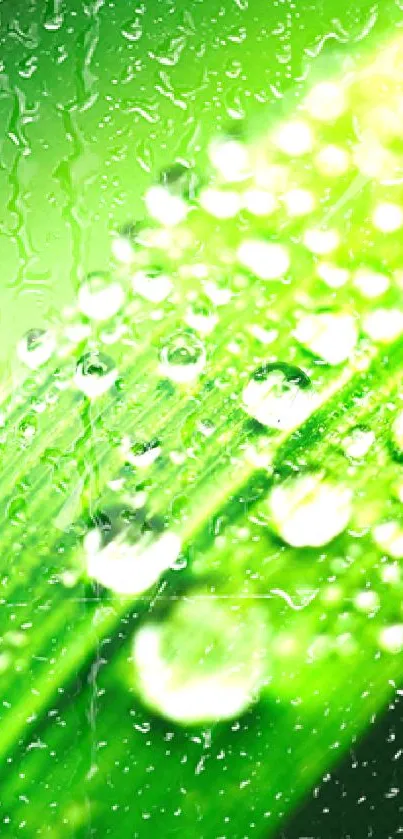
(279,396)
(95,374)
(183,358)
(207,661)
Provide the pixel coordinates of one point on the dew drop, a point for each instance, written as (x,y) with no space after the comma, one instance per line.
(389,538)
(201,316)
(139,454)
(267,260)
(127,553)
(358,443)
(36,347)
(152,285)
(95,374)
(310,511)
(183,358)
(279,396)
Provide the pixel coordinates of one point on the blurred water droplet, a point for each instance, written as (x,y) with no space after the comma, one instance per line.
(99,298)
(204,662)
(310,510)
(152,284)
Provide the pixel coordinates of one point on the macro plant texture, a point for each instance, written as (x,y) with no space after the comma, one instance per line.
(202,458)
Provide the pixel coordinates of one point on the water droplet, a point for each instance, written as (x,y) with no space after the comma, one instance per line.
(358,442)
(230,158)
(152,284)
(326,101)
(201,316)
(95,374)
(367,601)
(36,347)
(371,284)
(279,396)
(310,511)
(330,335)
(167,209)
(321,242)
(267,260)
(183,358)
(389,538)
(99,298)
(28,427)
(384,325)
(205,662)
(391,638)
(294,138)
(126,552)
(140,454)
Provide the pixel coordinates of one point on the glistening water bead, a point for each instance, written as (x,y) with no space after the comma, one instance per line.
(279,396)
(95,374)
(36,347)
(183,357)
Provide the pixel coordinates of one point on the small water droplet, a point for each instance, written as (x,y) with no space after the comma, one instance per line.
(279,396)
(152,284)
(95,374)
(140,454)
(183,358)
(330,335)
(36,347)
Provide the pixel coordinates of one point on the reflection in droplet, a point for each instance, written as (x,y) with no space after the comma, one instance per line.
(183,358)
(36,347)
(95,374)
(279,396)
(140,454)
(358,442)
(267,260)
(126,553)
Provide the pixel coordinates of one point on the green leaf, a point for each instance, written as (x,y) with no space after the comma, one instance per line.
(202,488)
